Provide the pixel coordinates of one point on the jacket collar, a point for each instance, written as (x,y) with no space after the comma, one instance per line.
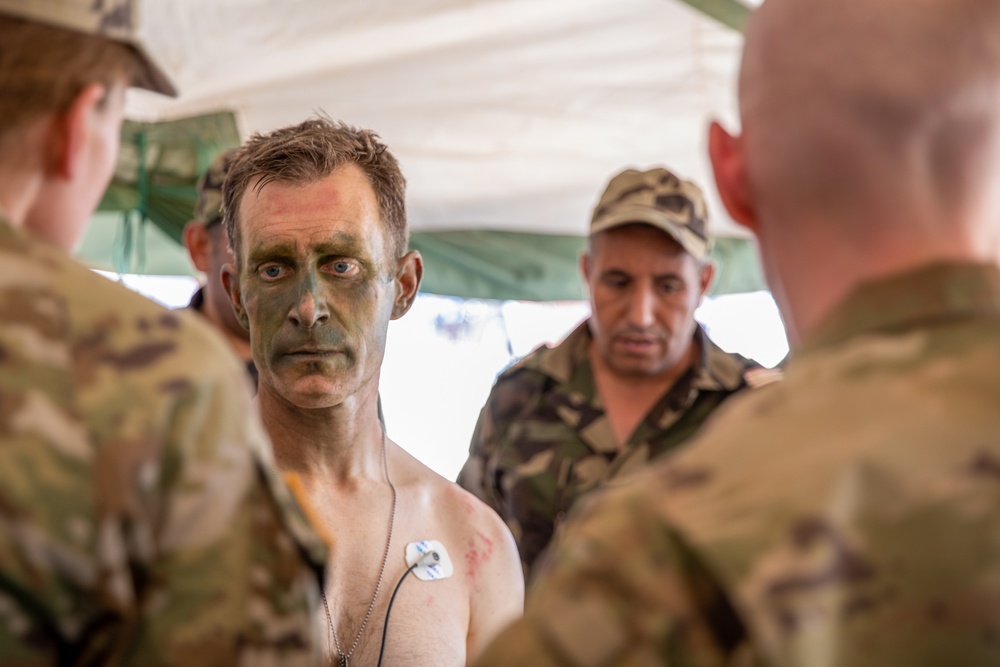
(936,293)
(715,369)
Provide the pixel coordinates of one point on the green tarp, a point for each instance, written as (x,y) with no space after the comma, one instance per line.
(732,13)
(471,263)
(540,267)
(158,166)
(141,218)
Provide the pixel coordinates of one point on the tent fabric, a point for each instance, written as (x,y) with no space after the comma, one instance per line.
(538,267)
(508,116)
(159,164)
(124,243)
(471,264)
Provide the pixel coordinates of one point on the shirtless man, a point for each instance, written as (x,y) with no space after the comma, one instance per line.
(316,218)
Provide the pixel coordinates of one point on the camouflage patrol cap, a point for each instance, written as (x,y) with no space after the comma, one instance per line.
(208,206)
(116,20)
(659,198)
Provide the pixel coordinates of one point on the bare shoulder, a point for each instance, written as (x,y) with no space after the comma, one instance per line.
(466,515)
(477,520)
(486,560)
(480,544)
(487,579)
(498,587)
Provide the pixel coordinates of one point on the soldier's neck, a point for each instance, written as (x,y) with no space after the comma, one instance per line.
(18,191)
(340,444)
(628,399)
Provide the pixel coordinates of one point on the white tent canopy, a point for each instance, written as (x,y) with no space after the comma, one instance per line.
(505,114)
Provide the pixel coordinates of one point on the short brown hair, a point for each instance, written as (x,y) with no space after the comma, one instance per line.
(308,152)
(42,68)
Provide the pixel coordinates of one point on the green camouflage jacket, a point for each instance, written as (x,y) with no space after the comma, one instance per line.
(141,521)
(543,439)
(846,516)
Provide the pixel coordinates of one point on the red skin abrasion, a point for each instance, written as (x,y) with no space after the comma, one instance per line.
(474,558)
(488,543)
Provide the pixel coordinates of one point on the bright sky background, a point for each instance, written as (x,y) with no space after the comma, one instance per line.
(443,356)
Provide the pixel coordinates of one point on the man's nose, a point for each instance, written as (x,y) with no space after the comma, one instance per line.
(311,308)
(641,305)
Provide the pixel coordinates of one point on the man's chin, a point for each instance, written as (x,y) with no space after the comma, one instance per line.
(315,401)
(313,393)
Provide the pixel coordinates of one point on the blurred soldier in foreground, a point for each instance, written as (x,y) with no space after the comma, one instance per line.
(317,221)
(850,514)
(628,385)
(137,522)
(208,247)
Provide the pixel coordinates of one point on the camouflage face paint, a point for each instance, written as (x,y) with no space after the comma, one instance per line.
(316,287)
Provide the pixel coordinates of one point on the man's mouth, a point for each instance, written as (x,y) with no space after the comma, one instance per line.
(637,344)
(311,352)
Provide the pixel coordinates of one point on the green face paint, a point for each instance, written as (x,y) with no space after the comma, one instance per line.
(317,286)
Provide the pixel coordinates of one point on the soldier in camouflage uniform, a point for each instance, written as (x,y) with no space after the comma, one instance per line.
(141,521)
(208,247)
(628,385)
(849,515)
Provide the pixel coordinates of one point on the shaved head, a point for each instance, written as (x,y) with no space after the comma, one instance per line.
(870,140)
(855,103)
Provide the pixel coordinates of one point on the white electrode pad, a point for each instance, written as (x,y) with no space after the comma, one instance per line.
(433,560)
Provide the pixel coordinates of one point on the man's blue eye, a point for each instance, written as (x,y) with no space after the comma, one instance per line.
(272,271)
(341,267)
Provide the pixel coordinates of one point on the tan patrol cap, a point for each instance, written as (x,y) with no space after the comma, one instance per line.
(116,20)
(659,198)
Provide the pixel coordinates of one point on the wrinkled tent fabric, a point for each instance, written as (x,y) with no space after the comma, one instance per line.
(158,167)
(472,264)
(540,267)
(508,116)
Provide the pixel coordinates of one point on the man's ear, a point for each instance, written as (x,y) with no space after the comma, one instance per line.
(231,281)
(730,169)
(409,273)
(71,131)
(198,244)
(707,276)
(585,266)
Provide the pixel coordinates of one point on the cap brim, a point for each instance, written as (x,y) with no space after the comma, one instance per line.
(693,245)
(152,77)
(82,17)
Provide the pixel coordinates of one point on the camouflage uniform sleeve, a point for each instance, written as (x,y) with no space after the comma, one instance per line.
(233,577)
(620,588)
(497,457)
(139,520)
(137,524)
(476,476)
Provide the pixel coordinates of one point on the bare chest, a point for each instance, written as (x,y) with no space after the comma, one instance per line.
(426,623)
